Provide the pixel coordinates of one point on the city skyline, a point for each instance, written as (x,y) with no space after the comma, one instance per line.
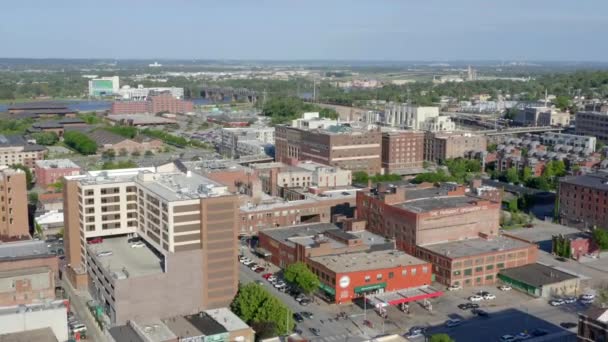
(272,30)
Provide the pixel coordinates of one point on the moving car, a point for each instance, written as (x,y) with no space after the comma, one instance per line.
(305,302)
(454,287)
(315,331)
(557,302)
(476,298)
(417,330)
(453,322)
(298,317)
(508,338)
(467,306)
(138,245)
(489,296)
(480,313)
(307,314)
(523,336)
(504,288)
(539,332)
(104,253)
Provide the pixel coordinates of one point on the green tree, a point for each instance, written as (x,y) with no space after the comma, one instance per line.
(80,142)
(148,153)
(109,153)
(298,273)
(512,176)
(600,236)
(441,338)
(45,138)
(136,153)
(58,185)
(28,174)
(248,300)
(32,197)
(432,177)
(492,148)
(123,152)
(127,164)
(526,174)
(360,177)
(562,102)
(512,205)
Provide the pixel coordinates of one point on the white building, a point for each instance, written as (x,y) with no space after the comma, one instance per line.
(439,124)
(583,142)
(51,222)
(243,141)
(312,120)
(141,93)
(104,86)
(54,315)
(404,115)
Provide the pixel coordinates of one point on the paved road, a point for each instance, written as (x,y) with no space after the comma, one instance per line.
(78,305)
(330,330)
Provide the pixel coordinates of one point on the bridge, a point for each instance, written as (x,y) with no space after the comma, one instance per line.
(215,93)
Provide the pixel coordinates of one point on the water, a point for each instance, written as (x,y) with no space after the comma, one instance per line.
(100,106)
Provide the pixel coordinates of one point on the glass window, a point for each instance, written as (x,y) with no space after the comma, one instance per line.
(404,272)
(490,267)
(500,265)
(468,272)
(391,275)
(379,276)
(367,279)
(478,269)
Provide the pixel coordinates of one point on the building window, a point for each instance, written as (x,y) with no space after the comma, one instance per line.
(489,267)
(468,272)
(489,277)
(478,280)
(500,265)
(379,276)
(478,269)
(425,269)
(390,275)
(413,271)
(367,278)
(456,273)
(404,272)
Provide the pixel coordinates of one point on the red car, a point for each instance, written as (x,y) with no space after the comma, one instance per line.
(267,275)
(259,270)
(96,240)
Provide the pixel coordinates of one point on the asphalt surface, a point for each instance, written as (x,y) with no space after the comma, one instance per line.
(79,307)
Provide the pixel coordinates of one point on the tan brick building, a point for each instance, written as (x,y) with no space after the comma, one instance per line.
(15,150)
(13,205)
(188,226)
(355,149)
(402,151)
(441,146)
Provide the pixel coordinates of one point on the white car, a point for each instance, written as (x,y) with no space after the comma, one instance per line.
(476,298)
(508,338)
(489,296)
(280,284)
(504,288)
(556,302)
(587,296)
(104,253)
(272,278)
(247,262)
(454,287)
(138,245)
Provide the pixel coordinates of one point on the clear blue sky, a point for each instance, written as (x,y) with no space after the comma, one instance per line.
(306,29)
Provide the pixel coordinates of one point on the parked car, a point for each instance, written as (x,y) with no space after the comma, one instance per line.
(480,312)
(454,287)
(557,302)
(453,322)
(266,275)
(489,296)
(568,325)
(95,241)
(587,296)
(508,338)
(476,298)
(298,317)
(138,245)
(561,259)
(467,306)
(539,332)
(271,278)
(315,331)
(134,239)
(307,314)
(523,336)
(104,253)
(259,282)
(570,300)
(259,269)
(504,288)
(247,262)
(417,330)
(305,302)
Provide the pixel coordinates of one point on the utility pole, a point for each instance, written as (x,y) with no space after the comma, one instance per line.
(314,90)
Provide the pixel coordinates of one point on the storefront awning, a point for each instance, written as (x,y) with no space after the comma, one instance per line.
(327,289)
(403,296)
(371,287)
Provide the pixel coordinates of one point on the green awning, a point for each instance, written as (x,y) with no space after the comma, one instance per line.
(365,288)
(327,289)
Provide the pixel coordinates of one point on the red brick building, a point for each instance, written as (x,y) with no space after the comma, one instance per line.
(583,200)
(51,171)
(402,151)
(163,102)
(354,275)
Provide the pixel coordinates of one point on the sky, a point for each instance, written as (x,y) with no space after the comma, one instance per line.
(378,30)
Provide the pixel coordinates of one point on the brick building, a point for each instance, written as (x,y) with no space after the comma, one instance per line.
(163,102)
(31,267)
(13,197)
(355,149)
(592,124)
(106,140)
(51,171)
(15,150)
(593,325)
(423,214)
(441,146)
(402,151)
(583,200)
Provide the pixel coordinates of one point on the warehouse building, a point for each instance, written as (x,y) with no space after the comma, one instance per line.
(540,280)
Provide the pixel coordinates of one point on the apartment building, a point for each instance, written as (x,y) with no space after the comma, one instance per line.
(51,171)
(15,150)
(402,151)
(188,226)
(593,124)
(579,142)
(441,146)
(235,141)
(351,148)
(13,201)
(583,200)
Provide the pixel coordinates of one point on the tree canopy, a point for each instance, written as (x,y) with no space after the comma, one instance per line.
(600,236)
(298,273)
(284,109)
(126,164)
(80,142)
(254,305)
(45,138)
(441,338)
(125,131)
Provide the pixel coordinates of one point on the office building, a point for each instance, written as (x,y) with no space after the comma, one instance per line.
(441,145)
(104,86)
(31,271)
(347,147)
(241,141)
(593,325)
(15,150)
(583,200)
(593,124)
(13,197)
(140,93)
(402,151)
(154,104)
(53,170)
(188,226)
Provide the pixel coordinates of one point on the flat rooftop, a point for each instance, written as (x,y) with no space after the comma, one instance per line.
(597,181)
(227,318)
(26,271)
(38,335)
(477,246)
(542,231)
(154,330)
(367,261)
(136,261)
(179,186)
(141,119)
(56,164)
(304,233)
(437,203)
(23,250)
(537,275)
(194,325)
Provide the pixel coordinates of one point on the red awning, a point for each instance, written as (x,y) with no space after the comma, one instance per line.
(415,298)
